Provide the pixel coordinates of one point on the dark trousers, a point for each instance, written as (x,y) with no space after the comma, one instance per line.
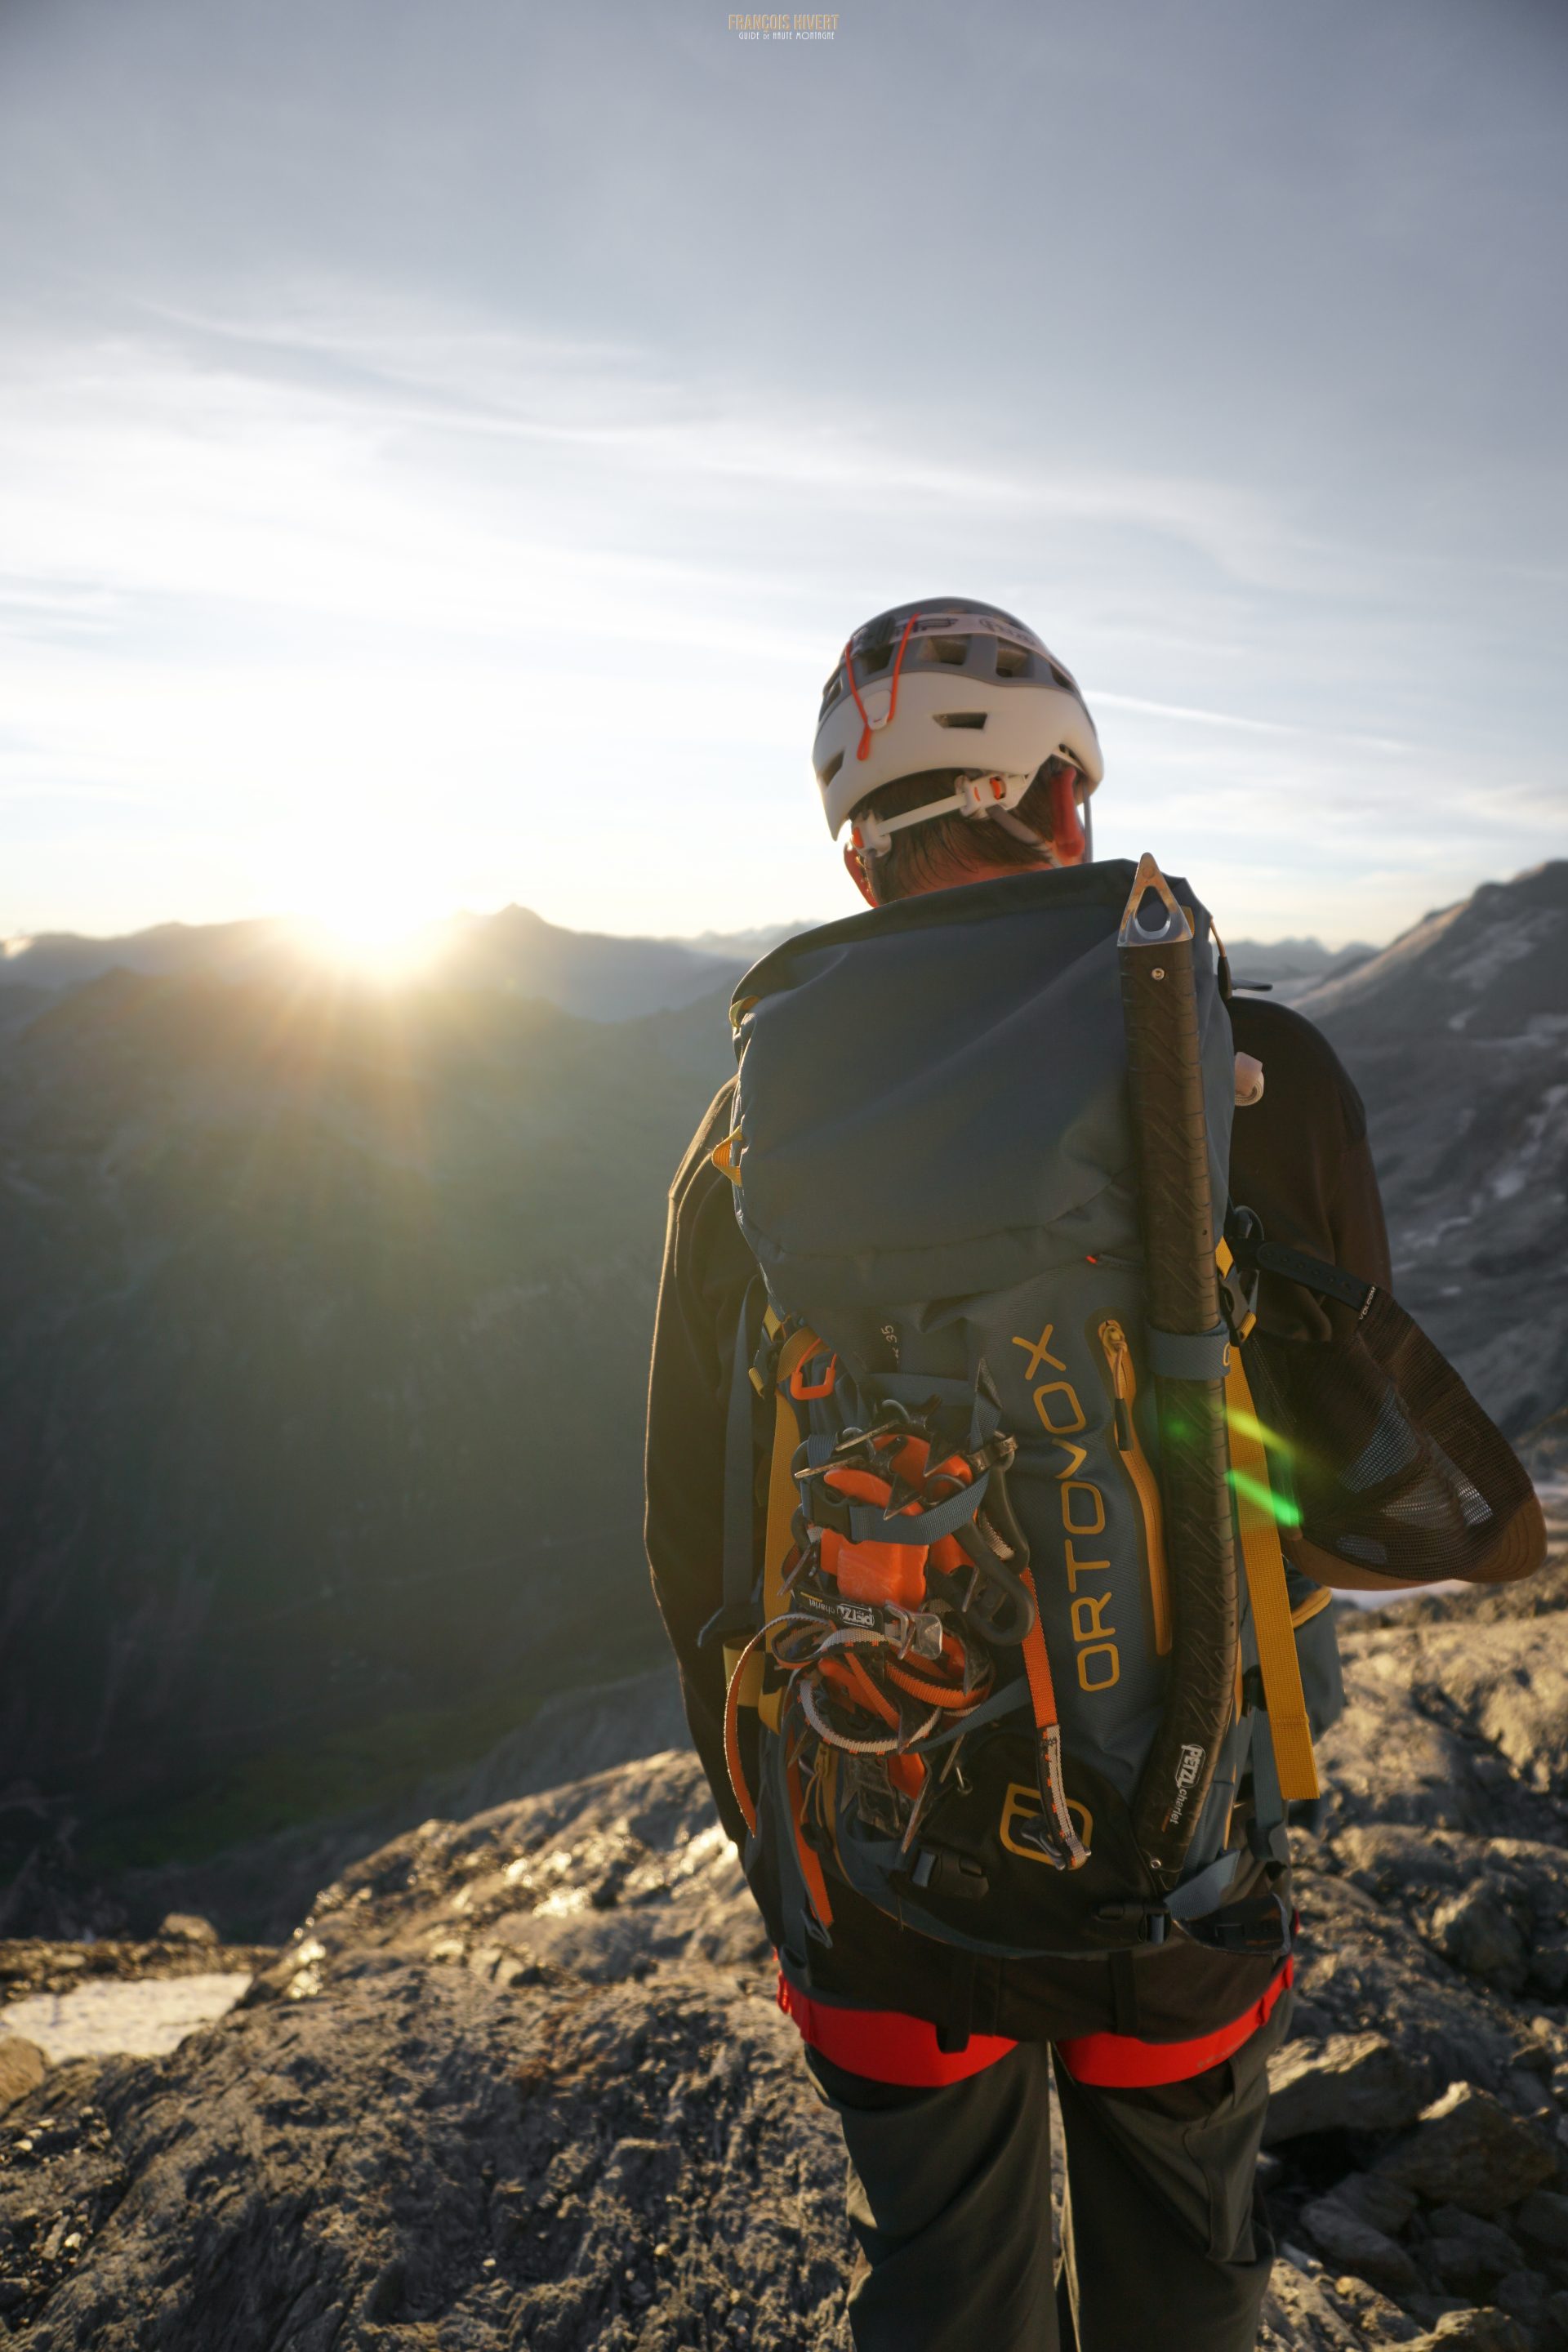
(1165,2240)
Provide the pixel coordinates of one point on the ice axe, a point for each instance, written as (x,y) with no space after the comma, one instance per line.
(1188,1352)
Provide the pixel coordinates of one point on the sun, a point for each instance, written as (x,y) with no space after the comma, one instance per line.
(371,923)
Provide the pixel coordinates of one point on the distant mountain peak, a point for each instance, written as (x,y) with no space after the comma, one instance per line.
(1488,961)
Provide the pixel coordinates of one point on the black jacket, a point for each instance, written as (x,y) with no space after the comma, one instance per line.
(1301,1159)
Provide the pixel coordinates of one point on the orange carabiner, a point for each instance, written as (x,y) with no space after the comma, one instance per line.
(825,1387)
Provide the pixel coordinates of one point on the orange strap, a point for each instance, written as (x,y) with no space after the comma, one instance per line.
(810,1867)
(865,750)
(1037,1665)
(783,1493)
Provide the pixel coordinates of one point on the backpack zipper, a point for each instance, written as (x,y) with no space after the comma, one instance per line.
(1141,1476)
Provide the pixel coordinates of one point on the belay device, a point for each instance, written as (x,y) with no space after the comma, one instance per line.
(987,1665)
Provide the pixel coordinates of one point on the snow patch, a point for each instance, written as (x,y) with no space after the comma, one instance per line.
(1510,942)
(145,2019)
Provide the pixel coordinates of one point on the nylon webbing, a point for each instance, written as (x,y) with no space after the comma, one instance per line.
(1265,1565)
(1038,1666)
(783,1493)
(739,1477)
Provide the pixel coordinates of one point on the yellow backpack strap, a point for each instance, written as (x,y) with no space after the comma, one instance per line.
(783,1493)
(726,1156)
(1264,1562)
(745,1663)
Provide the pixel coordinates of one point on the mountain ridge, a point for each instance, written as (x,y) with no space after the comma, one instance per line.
(603,975)
(1456,1034)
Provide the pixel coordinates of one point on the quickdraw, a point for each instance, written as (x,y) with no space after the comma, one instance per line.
(886,1643)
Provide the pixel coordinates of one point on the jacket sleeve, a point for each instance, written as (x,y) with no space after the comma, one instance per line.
(707,1270)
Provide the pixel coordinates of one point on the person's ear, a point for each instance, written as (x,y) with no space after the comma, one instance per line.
(855,866)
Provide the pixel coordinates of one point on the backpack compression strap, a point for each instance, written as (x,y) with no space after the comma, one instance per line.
(1256,1513)
(743,1666)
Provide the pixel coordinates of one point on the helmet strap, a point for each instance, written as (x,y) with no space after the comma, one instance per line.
(973,796)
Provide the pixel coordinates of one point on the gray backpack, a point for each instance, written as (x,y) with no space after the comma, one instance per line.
(946,1619)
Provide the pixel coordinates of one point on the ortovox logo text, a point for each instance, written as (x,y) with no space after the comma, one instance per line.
(1022,1809)
(1059,1410)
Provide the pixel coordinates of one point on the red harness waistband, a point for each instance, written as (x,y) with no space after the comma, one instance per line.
(887,2046)
(1119,2061)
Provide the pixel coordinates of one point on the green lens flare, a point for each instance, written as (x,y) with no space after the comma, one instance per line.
(1283,1513)
(1249,1427)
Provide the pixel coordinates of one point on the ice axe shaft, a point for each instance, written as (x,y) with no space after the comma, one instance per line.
(1187,1343)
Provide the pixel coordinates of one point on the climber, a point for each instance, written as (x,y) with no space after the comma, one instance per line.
(936,2049)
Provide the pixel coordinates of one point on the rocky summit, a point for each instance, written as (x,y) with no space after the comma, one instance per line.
(518,2081)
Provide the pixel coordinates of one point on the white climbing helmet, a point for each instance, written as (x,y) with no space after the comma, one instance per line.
(946,684)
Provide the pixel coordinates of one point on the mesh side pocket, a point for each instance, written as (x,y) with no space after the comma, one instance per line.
(1394,1465)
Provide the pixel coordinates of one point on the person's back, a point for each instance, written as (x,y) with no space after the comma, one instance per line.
(934,2039)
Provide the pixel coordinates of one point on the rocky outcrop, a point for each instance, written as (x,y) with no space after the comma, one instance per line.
(519,2079)
(1457,1038)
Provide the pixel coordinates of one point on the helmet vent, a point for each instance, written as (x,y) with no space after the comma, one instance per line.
(951,649)
(975,718)
(831,769)
(1012,661)
(876,659)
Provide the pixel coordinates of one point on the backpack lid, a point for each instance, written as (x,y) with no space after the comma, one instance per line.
(932,1095)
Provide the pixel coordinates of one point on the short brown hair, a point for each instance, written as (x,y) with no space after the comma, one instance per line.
(927,855)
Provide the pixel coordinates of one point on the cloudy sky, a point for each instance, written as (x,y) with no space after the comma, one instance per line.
(444,443)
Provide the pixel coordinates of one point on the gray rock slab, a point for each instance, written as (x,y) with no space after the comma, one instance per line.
(1380,2202)
(1351,2082)
(1349,2243)
(1483,2330)
(1465,2249)
(186,1927)
(411,2154)
(1361,1962)
(1542,2219)
(23,2066)
(1475,1931)
(1468,2149)
(1311,2312)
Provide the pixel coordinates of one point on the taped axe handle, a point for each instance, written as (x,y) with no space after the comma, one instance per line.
(1164,1068)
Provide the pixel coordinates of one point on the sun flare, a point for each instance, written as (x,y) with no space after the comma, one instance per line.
(379,925)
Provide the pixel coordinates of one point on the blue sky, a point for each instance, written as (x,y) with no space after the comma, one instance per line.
(442,447)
